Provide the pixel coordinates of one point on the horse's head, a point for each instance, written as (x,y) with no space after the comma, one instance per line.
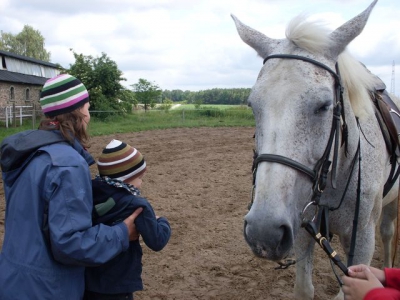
(293,102)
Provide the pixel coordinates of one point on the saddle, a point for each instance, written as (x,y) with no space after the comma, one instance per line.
(388,116)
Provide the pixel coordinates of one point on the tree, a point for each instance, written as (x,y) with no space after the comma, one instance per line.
(102,78)
(146,92)
(167,104)
(29,42)
(128,96)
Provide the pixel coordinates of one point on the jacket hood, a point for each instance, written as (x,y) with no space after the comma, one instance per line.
(16,150)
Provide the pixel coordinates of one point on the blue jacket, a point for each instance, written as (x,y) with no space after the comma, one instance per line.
(123,273)
(49,238)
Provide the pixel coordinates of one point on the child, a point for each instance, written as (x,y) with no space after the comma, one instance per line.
(116,195)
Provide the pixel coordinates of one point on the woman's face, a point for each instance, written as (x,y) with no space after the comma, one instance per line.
(85,111)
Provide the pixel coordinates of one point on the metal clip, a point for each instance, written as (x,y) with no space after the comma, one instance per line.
(286,264)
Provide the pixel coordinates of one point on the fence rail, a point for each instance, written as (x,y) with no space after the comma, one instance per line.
(10,114)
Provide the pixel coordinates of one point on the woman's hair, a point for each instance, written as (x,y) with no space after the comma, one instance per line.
(71,126)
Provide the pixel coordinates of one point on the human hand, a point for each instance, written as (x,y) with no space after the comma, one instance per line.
(355,288)
(130,223)
(357,271)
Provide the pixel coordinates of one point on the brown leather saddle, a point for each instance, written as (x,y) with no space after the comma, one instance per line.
(389,120)
(388,116)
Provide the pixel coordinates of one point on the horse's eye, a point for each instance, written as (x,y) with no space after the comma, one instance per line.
(322,109)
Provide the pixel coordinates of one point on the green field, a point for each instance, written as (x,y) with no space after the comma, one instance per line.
(182,116)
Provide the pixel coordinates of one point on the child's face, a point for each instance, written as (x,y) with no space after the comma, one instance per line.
(136,182)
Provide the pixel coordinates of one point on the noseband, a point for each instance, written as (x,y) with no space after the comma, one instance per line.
(319,173)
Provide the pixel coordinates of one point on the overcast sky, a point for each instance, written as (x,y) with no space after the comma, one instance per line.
(193,45)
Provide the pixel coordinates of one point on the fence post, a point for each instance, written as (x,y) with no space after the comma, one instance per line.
(33,115)
(20,116)
(14,115)
(6,116)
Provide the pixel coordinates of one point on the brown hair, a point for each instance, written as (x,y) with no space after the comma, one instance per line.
(70,125)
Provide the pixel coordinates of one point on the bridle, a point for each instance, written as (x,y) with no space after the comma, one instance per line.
(319,173)
(318,226)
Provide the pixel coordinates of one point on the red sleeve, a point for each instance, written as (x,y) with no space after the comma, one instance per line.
(391,291)
(392,278)
(383,294)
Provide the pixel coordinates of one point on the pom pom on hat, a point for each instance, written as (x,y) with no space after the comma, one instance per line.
(62,94)
(121,161)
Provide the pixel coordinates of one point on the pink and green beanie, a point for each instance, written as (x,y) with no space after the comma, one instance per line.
(62,94)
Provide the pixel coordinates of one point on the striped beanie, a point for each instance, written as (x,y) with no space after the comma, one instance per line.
(121,161)
(62,94)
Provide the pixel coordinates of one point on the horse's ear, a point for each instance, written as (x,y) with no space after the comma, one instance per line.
(343,35)
(255,39)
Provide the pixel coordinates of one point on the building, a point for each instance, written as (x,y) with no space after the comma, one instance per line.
(22,78)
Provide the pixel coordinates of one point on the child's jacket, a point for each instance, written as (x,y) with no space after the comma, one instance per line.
(392,289)
(122,274)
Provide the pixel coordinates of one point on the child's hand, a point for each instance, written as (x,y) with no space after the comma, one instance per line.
(362,280)
(358,271)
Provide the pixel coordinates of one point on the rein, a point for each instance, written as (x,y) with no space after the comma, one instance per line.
(318,226)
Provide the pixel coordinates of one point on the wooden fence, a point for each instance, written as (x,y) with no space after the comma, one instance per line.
(12,113)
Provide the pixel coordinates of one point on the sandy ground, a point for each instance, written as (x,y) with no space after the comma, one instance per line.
(200,179)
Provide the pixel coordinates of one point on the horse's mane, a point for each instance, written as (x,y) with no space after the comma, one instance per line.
(314,37)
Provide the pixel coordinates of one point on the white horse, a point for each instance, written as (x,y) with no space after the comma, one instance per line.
(294,101)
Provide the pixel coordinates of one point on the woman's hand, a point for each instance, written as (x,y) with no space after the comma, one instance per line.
(130,223)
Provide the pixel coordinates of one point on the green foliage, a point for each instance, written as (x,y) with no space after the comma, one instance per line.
(146,93)
(102,78)
(166,105)
(213,96)
(198,102)
(29,42)
(128,96)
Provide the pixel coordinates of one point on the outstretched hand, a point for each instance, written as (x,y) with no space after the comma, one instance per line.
(130,223)
(360,281)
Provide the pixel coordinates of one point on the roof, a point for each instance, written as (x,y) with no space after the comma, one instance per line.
(7,76)
(21,57)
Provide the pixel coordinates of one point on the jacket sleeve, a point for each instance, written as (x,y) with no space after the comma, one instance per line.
(392,278)
(392,289)
(383,294)
(73,239)
(155,232)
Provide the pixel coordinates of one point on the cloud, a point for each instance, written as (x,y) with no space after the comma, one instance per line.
(183,44)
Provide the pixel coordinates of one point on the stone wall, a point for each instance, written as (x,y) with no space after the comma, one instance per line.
(20,99)
(20,91)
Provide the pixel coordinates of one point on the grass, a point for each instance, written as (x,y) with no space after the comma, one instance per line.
(206,116)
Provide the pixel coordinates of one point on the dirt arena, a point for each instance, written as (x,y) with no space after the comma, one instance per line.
(200,179)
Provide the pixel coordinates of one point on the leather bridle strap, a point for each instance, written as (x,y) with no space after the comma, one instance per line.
(285,161)
(310,60)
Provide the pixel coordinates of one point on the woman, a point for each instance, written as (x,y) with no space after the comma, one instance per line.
(49,237)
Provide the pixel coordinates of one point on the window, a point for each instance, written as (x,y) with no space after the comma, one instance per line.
(27,95)
(12,94)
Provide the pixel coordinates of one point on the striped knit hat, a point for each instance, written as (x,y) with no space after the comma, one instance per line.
(62,94)
(121,161)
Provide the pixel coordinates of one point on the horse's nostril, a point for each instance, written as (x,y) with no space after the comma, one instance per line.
(286,241)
